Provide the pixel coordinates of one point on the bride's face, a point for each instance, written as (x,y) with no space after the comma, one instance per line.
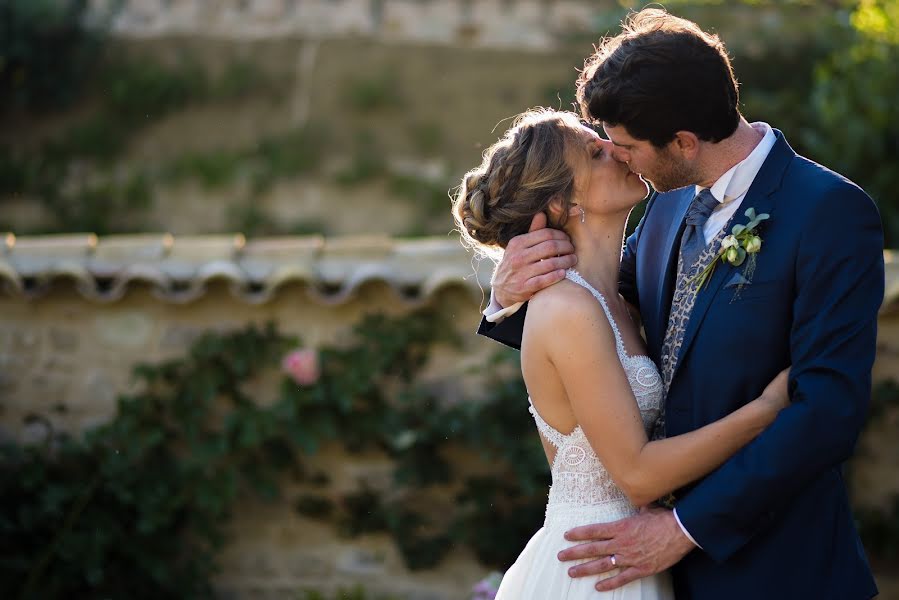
(604,185)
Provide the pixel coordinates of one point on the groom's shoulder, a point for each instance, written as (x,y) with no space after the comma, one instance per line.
(819,176)
(815,187)
(823,201)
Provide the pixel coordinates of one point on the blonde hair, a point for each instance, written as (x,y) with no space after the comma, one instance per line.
(519,176)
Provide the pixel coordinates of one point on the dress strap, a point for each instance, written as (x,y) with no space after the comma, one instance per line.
(553,436)
(576,277)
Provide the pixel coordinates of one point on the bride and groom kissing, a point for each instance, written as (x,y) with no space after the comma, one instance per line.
(704,461)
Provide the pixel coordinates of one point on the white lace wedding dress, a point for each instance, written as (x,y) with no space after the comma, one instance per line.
(583,492)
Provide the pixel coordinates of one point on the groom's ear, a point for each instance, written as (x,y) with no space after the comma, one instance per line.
(685,144)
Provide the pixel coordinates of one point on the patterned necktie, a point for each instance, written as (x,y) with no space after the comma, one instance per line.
(692,242)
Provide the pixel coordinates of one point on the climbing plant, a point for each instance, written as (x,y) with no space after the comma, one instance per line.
(137,507)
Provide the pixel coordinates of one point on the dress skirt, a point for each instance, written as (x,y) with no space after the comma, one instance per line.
(538,574)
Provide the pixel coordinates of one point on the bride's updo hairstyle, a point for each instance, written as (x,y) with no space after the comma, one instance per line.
(519,176)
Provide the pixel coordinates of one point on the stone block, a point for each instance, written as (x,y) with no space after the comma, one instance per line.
(306,564)
(361,561)
(58,365)
(269,10)
(9,382)
(50,390)
(257,561)
(123,330)
(25,341)
(98,393)
(63,340)
(179,337)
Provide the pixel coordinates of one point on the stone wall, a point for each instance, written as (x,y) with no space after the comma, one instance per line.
(77,313)
(71,330)
(67,359)
(515,23)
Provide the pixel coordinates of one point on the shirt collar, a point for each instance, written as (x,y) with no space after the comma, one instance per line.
(736,181)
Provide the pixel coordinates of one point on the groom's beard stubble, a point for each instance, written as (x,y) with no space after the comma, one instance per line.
(671,173)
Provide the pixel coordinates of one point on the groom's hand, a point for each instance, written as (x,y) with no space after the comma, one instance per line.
(643,545)
(531,262)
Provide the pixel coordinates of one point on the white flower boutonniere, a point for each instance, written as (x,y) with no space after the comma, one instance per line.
(743,243)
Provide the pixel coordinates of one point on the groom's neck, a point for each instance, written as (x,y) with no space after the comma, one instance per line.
(718,158)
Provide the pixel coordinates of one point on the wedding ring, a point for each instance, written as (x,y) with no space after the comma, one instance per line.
(614,561)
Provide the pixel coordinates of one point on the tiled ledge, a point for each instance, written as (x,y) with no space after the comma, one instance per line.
(178,269)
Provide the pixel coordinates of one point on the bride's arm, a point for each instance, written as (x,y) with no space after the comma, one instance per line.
(581,346)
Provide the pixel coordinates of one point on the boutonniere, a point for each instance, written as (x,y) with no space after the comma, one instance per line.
(741,246)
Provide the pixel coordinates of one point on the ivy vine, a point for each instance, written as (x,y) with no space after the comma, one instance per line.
(137,507)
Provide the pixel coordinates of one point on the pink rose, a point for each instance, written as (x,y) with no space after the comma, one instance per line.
(302,366)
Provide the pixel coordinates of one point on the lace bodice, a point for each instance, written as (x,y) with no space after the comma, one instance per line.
(578,477)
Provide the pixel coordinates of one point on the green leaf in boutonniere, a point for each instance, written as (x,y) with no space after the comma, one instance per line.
(741,246)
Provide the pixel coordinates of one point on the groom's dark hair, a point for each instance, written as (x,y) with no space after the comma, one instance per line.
(660,75)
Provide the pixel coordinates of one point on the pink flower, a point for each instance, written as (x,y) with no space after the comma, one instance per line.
(302,366)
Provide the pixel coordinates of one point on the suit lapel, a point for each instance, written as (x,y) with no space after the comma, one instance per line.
(760,197)
(671,250)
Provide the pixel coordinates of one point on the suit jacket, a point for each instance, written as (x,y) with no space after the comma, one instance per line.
(773,521)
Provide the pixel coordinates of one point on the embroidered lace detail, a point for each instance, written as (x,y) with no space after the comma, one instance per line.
(578,476)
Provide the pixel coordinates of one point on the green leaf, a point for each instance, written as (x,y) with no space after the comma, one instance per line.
(738,229)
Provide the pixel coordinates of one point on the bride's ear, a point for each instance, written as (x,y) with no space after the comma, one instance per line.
(557,207)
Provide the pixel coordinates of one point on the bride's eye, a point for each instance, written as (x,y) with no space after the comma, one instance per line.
(597,152)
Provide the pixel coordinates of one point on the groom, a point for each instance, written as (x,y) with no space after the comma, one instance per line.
(774,521)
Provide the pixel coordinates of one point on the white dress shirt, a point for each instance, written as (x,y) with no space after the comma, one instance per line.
(729,190)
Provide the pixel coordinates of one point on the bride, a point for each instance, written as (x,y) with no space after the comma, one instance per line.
(594,395)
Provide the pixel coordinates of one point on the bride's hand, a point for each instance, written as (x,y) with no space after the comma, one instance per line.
(776,395)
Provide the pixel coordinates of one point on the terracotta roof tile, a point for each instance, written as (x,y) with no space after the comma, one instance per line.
(179,269)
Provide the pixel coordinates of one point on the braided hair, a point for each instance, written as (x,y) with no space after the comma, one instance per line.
(519,176)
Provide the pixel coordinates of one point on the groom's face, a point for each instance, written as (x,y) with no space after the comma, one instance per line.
(661,167)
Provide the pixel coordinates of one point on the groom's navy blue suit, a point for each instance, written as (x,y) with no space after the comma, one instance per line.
(773,521)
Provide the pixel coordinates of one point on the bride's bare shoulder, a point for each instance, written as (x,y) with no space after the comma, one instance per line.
(562,298)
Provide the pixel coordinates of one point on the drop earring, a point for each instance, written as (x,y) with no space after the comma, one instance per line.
(583,215)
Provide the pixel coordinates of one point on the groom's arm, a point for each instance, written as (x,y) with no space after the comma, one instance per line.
(840,287)
(531,262)
(508,330)
(627,274)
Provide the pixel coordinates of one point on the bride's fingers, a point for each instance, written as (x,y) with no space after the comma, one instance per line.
(625,577)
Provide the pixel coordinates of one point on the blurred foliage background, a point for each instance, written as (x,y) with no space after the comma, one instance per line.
(287,135)
(291,136)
